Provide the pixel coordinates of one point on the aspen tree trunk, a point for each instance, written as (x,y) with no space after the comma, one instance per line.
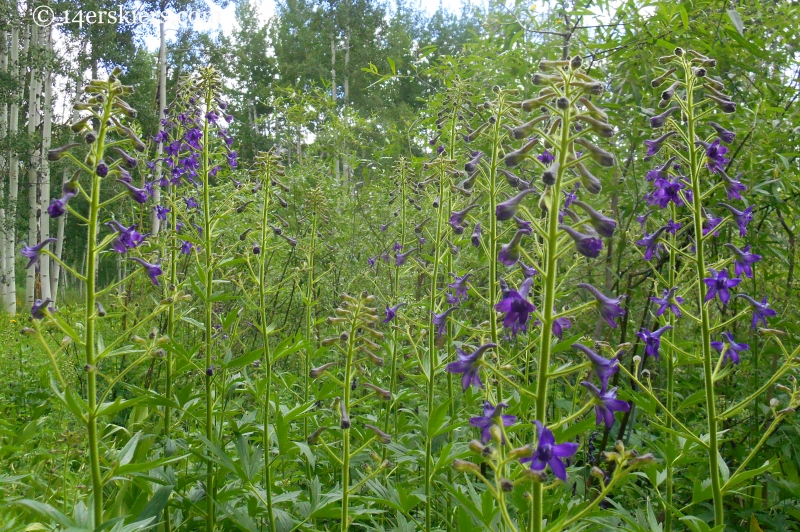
(55,268)
(33,170)
(44,164)
(155,223)
(333,97)
(3,134)
(10,283)
(346,169)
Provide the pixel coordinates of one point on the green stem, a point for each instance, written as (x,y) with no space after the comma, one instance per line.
(705,323)
(348,369)
(208,317)
(432,332)
(670,356)
(89,345)
(551,275)
(262,300)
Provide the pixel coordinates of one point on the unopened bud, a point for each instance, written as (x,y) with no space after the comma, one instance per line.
(506,485)
(317,372)
(476,447)
(329,341)
(463,466)
(645,459)
(313,438)
(596,472)
(520,452)
(382,436)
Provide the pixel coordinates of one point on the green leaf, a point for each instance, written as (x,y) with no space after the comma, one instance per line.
(392,65)
(155,506)
(737,21)
(48,511)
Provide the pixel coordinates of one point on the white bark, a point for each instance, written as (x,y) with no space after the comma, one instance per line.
(44,166)
(33,170)
(58,249)
(155,223)
(9,280)
(3,133)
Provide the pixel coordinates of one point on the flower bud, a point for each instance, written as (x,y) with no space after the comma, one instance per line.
(597,473)
(382,436)
(549,176)
(317,372)
(576,62)
(506,485)
(539,477)
(475,446)
(656,82)
(520,452)
(619,447)
(58,153)
(345,422)
(645,459)
(385,395)
(548,66)
(463,466)
(313,438)
(327,342)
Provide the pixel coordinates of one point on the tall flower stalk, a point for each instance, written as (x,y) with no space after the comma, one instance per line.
(356,344)
(689,103)
(267,171)
(106,162)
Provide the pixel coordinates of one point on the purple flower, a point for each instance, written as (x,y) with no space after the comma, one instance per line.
(587,245)
(161,212)
(609,307)
(733,186)
(128,238)
(549,453)
(523,225)
(476,235)
(743,260)
(371,261)
(153,270)
(507,209)
(516,306)
(660,172)
(654,146)
(470,366)
(642,218)
(58,207)
(724,135)
(137,194)
(440,320)
(460,285)
(710,223)
(193,137)
(604,225)
(102,169)
(33,253)
(651,243)
(652,340)
(559,325)
(604,368)
(457,218)
(232,159)
(742,218)
(669,191)
(658,121)
(719,283)
(173,149)
(606,403)
(212,117)
(191,203)
(397,247)
(391,312)
(161,137)
(400,258)
(570,197)
(384,227)
(491,415)
(761,311)
(186,247)
(509,253)
(546,158)
(715,155)
(729,348)
(37,310)
(669,301)
(527,271)
(673,227)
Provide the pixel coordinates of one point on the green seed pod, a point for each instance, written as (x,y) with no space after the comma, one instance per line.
(660,79)
(463,466)
(382,436)
(58,153)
